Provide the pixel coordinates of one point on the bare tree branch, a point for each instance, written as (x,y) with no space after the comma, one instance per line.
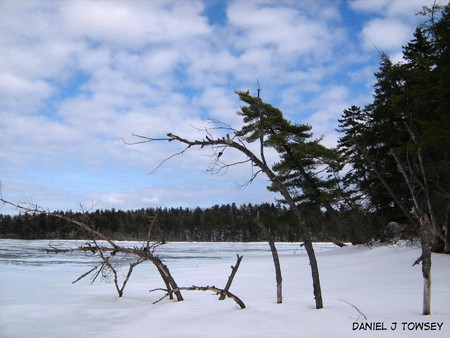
(167,159)
(234,269)
(239,145)
(218,291)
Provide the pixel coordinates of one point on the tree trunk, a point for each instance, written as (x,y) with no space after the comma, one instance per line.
(278,278)
(167,278)
(203,288)
(425,241)
(301,224)
(425,235)
(426,296)
(230,279)
(315,274)
(276,260)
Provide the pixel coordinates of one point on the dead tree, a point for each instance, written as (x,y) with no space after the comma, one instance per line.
(276,259)
(143,253)
(217,291)
(425,258)
(222,292)
(107,249)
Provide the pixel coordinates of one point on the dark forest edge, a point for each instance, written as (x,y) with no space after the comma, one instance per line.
(217,223)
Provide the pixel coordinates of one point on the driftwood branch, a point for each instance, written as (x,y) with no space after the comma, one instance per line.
(87,273)
(202,288)
(127,277)
(230,279)
(145,253)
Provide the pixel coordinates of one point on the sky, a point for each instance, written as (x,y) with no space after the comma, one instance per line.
(79,78)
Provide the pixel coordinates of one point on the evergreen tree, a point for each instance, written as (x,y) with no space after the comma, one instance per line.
(398,145)
(306,167)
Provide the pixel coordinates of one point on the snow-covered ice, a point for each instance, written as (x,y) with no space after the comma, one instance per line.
(38,299)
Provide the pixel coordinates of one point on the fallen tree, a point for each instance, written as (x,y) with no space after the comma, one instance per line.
(203,288)
(108,252)
(107,249)
(221,292)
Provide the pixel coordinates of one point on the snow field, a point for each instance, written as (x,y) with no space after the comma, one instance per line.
(38,300)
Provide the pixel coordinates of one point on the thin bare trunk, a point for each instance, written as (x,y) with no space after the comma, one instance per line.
(234,269)
(425,236)
(436,231)
(426,296)
(276,259)
(315,274)
(278,278)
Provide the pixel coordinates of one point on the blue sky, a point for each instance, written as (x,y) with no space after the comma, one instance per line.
(77,77)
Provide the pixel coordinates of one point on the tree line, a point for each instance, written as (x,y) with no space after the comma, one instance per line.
(217,223)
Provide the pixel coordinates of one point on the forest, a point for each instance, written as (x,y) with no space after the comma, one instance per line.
(391,164)
(218,223)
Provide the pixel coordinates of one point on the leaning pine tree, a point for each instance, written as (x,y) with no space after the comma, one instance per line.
(306,167)
(258,117)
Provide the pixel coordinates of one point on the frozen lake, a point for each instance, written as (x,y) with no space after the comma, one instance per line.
(186,254)
(38,299)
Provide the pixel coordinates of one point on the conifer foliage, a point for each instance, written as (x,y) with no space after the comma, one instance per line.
(306,167)
(398,145)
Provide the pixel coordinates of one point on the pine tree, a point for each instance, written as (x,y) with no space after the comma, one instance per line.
(306,167)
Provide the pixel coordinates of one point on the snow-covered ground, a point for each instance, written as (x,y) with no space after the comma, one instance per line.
(38,299)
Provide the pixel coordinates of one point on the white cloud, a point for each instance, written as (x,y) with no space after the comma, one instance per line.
(369,5)
(389,8)
(134,24)
(385,34)
(220,104)
(77,76)
(331,103)
(113,199)
(393,26)
(285,32)
(15,88)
